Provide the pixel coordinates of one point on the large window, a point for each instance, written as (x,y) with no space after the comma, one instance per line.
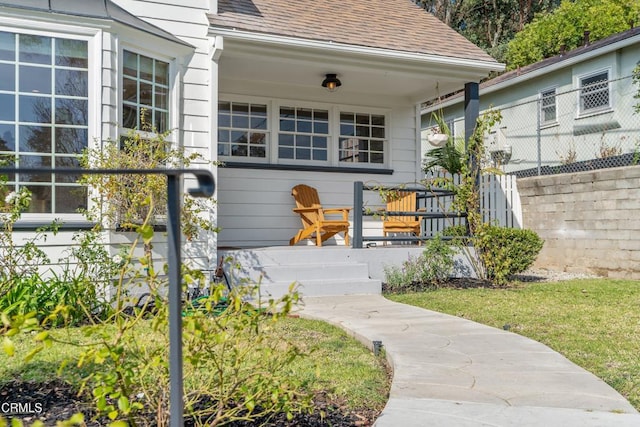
(362,138)
(145,87)
(594,92)
(281,133)
(44,115)
(548,110)
(242,130)
(303,134)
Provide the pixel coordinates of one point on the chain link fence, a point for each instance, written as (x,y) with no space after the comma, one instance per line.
(592,127)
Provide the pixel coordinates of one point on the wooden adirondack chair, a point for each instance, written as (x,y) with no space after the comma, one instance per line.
(314,224)
(401,201)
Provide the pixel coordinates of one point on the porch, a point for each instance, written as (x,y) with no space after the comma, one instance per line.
(335,269)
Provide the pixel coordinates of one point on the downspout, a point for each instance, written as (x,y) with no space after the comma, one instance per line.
(418,140)
(216,49)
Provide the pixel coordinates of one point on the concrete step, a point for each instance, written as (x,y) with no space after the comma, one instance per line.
(317,271)
(317,288)
(280,255)
(298,272)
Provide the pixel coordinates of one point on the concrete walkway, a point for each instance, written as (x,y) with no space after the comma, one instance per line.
(449,371)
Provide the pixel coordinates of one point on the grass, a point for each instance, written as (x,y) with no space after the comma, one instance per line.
(595,323)
(336,364)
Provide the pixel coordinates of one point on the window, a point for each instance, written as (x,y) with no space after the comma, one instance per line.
(594,92)
(361,138)
(281,133)
(303,134)
(145,86)
(44,110)
(242,130)
(548,106)
(452,127)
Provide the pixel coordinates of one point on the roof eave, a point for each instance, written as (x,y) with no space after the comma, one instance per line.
(478,66)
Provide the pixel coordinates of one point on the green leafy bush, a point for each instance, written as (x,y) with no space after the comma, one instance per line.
(28,286)
(506,251)
(126,201)
(431,269)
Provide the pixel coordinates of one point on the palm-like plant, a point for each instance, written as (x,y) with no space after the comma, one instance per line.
(450,156)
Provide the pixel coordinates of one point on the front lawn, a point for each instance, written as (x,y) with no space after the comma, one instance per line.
(595,323)
(344,376)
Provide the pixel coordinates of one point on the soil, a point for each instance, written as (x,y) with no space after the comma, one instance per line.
(56,400)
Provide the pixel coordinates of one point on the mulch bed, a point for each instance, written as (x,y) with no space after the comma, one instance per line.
(56,401)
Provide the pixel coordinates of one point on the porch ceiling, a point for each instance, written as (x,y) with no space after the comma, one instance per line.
(301,65)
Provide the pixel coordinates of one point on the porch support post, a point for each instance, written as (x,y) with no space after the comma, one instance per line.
(471,109)
(471,114)
(358,188)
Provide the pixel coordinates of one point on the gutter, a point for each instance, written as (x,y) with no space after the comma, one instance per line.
(383,54)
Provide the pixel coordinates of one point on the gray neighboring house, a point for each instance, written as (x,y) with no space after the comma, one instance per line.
(574,109)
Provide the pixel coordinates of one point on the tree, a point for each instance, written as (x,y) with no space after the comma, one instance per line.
(488,24)
(565,27)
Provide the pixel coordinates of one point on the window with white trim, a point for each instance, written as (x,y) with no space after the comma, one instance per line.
(286,133)
(145,87)
(242,130)
(44,109)
(362,138)
(548,109)
(594,92)
(303,134)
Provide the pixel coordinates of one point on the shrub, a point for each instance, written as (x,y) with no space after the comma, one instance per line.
(73,299)
(126,201)
(432,268)
(506,251)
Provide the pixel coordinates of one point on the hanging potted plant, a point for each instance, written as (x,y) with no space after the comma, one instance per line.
(446,155)
(438,139)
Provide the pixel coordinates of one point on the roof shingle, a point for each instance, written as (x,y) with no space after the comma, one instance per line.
(398,25)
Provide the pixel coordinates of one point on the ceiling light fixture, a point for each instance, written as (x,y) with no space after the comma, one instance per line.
(331,82)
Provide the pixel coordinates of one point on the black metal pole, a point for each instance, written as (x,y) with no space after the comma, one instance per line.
(471,109)
(471,114)
(358,188)
(176,406)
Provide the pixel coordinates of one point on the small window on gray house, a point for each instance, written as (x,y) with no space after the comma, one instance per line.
(594,92)
(452,127)
(548,110)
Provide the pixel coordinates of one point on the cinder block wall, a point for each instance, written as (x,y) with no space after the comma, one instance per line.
(590,221)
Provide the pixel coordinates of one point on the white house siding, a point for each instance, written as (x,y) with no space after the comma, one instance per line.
(186,19)
(191,94)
